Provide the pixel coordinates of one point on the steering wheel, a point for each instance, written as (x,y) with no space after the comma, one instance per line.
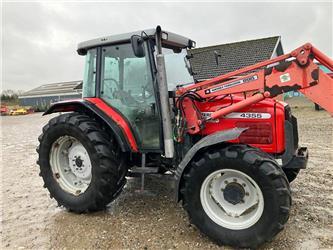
(124,96)
(147,89)
(107,84)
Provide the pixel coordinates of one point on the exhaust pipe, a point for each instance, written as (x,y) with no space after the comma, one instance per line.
(169,148)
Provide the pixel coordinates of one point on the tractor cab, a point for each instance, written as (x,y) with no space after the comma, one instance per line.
(121,70)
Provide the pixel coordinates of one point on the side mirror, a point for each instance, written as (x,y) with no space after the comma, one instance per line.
(138,46)
(187,63)
(216,55)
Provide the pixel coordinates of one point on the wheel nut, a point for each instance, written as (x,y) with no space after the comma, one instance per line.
(247,194)
(235,180)
(226,182)
(244,185)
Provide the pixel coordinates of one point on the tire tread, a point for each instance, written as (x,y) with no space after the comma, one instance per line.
(271,169)
(112,177)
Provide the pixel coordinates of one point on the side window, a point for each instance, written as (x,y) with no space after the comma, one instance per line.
(110,80)
(89,78)
(135,75)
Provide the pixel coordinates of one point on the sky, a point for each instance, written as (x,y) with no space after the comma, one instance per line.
(39,39)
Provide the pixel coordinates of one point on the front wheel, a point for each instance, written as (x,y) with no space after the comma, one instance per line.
(236,195)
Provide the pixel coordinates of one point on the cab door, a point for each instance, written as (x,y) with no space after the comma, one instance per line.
(127,86)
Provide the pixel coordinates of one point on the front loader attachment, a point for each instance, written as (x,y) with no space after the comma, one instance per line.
(295,71)
(321,93)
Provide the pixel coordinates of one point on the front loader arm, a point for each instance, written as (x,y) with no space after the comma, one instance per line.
(289,72)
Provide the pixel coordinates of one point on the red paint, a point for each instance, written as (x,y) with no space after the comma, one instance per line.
(121,122)
(192,118)
(275,141)
(322,58)
(257,132)
(238,106)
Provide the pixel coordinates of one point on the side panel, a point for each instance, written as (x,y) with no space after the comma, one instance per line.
(265,121)
(280,127)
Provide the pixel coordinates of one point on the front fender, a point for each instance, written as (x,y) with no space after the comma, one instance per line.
(85,106)
(209,140)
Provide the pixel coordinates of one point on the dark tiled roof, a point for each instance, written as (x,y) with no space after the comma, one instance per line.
(53,89)
(232,56)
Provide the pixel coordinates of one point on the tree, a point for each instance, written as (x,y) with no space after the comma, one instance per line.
(10,95)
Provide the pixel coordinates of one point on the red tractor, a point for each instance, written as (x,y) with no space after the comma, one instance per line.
(142,112)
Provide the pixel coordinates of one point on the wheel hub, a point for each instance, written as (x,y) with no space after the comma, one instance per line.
(71,165)
(232,199)
(234,193)
(79,161)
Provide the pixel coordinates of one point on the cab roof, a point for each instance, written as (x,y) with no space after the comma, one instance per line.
(171,40)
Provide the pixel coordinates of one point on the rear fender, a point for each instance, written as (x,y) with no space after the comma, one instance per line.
(207,141)
(84,106)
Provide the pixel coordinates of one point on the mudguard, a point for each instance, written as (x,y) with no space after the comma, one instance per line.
(82,105)
(209,140)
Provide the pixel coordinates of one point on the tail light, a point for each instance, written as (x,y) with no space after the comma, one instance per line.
(257,132)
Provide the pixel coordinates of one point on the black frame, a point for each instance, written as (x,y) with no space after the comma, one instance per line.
(98,71)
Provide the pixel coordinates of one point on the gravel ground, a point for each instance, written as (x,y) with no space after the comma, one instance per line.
(30,219)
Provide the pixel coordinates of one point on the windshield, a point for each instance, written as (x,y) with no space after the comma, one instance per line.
(176,70)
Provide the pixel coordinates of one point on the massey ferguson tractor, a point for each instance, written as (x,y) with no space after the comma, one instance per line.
(231,147)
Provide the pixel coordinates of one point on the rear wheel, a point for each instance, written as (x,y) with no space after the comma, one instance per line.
(81,164)
(237,195)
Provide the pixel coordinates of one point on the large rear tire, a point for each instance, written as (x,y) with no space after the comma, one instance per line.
(237,195)
(81,164)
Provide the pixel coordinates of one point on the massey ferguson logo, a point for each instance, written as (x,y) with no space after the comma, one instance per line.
(232,84)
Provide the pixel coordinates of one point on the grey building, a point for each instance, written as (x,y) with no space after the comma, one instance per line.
(232,56)
(41,97)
